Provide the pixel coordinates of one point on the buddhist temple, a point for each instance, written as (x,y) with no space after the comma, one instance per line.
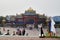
(30,17)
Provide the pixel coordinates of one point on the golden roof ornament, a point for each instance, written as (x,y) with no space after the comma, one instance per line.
(30,10)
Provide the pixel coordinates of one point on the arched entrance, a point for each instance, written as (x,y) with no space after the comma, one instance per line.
(30,20)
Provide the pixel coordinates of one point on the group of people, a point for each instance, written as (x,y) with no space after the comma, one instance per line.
(21,32)
(18,32)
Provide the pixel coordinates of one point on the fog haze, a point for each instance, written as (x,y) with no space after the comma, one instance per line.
(48,7)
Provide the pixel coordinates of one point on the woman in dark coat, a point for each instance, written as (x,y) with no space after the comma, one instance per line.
(42,33)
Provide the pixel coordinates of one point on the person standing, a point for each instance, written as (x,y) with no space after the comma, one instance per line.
(41,33)
(52,29)
(23,32)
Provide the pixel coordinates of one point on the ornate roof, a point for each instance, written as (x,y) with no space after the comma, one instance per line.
(19,16)
(30,10)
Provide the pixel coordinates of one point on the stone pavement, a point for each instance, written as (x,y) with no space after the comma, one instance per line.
(27,38)
(33,32)
(33,35)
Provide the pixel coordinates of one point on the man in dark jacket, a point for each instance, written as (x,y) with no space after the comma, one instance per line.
(23,32)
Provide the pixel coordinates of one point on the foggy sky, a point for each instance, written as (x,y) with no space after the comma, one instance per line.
(48,7)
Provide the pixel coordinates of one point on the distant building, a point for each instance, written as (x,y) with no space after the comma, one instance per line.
(30,17)
(57,21)
(10,20)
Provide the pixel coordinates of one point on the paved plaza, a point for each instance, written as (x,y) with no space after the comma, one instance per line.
(32,35)
(33,32)
(27,38)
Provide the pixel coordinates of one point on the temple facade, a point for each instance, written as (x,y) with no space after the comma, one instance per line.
(28,17)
